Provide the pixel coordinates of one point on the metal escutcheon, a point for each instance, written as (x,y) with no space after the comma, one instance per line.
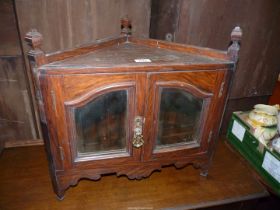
(138,139)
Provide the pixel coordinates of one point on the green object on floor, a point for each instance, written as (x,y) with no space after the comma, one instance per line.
(265,161)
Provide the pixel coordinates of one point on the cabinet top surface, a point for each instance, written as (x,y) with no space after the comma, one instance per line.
(134,55)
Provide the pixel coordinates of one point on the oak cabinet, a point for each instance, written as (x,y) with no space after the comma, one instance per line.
(129,106)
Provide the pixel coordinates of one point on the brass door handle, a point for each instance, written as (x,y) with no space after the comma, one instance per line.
(138,139)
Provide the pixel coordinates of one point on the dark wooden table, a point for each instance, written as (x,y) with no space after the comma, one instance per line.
(25,184)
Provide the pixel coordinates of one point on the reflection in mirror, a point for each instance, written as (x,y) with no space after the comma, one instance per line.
(101,124)
(179,117)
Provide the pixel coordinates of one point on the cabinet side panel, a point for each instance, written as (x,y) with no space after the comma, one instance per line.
(51,126)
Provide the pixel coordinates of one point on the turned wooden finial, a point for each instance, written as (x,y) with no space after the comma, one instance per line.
(36,58)
(234,48)
(34,39)
(126,27)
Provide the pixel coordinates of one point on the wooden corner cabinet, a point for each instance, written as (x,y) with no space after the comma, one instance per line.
(129,106)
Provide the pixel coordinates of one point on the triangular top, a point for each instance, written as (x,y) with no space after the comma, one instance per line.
(129,52)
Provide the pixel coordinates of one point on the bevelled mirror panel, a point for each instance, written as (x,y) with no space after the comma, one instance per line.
(101,124)
(179,117)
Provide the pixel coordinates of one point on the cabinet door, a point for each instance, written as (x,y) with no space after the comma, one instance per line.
(180,107)
(100,110)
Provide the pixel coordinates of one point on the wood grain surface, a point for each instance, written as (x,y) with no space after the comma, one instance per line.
(9,40)
(68,24)
(208,23)
(25,184)
(120,55)
(16,117)
(17,125)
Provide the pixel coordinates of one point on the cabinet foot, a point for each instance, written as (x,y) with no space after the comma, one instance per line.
(204,169)
(60,197)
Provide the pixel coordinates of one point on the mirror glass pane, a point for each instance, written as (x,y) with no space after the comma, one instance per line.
(101,124)
(179,117)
